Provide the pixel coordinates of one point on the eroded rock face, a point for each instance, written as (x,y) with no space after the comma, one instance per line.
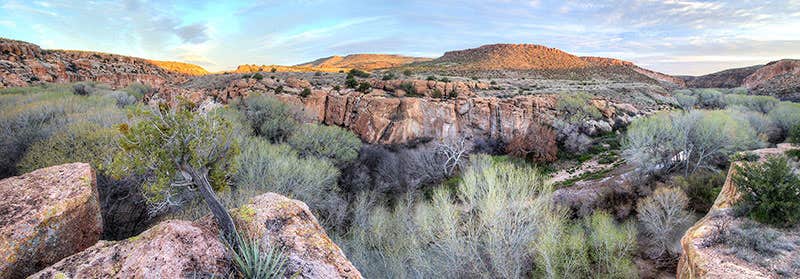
(171,249)
(702,257)
(288,223)
(780,79)
(47,215)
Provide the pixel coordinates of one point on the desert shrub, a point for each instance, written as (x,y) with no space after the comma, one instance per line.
(350,81)
(336,144)
(337,88)
(577,107)
(258,76)
(611,246)
(770,191)
(689,141)
(709,98)
(702,188)
(253,263)
(484,229)
(793,154)
(687,102)
(786,115)
(764,127)
(264,167)
(364,87)
(663,216)
(431,78)
(123,99)
(138,90)
(359,73)
(746,156)
(794,135)
(271,118)
(437,93)
(83,89)
(754,237)
(79,142)
(407,73)
(444,79)
(409,88)
(273,70)
(389,76)
(538,144)
(305,93)
(594,248)
(762,104)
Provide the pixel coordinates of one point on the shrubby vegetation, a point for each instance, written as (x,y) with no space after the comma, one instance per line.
(663,216)
(578,107)
(270,118)
(689,141)
(702,188)
(770,191)
(330,142)
(484,227)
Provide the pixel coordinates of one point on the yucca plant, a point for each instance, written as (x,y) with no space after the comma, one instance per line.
(253,263)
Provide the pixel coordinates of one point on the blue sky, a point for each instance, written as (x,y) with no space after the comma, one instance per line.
(675,37)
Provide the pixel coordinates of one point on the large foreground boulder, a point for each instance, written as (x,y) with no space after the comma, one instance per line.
(47,215)
(706,254)
(289,224)
(171,249)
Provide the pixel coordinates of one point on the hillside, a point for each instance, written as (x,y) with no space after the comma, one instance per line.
(778,78)
(23,64)
(243,69)
(367,62)
(180,67)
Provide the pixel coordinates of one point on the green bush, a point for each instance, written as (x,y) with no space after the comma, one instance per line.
(762,104)
(350,81)
(431,78)
(444,79)
(577,107)
(265,167)
(305,93)
(271,118)
(364,87)
(702,188)
(409,88)
(273,70)
(359,73)
(327,142)
(687,102)
(79,142)
(786,115)
(612,247)
(701,138)
(389,76)
(258,76)
(794,135)
(770,191)
(407,73)
(138,90)
(793,154)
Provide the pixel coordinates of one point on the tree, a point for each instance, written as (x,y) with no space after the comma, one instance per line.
(183,150)
(537,144)
(770,191)
(663,216)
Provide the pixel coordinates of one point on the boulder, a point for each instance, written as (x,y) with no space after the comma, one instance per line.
(47,215)
(171,249)
(289,224)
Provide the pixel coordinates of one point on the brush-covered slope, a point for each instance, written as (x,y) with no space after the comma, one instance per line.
(778,78)
(367,62)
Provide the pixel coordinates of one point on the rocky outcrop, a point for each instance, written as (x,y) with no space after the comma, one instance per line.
(703,256)
(428,88)
(47,215)
(779,78)
(724,79)
(171,249)
(290,225)
(367,62)
(616,194)
(23,64)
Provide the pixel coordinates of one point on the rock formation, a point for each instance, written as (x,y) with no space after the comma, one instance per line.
(22,64)
(703,256)
(723,79)
(366,62)
(180,67)
(47,215)
(289,224)
(171,249)
(780,79)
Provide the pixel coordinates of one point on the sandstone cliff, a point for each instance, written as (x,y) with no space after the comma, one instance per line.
(180,67)
(47,215)
(705,257)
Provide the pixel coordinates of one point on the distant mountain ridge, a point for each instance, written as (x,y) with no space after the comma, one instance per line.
(367,62)
(777,78)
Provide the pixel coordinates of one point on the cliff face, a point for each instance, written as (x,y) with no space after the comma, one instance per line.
(780,79)
(705,254)
(724,79)
(22,64)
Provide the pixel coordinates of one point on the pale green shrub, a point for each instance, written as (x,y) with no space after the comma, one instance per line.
(328,142)
(270,118)
(577,107)
(611,247)
(762,104)
(663,216)
(786,115)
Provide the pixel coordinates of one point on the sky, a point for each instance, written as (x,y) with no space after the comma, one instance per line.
(670,36)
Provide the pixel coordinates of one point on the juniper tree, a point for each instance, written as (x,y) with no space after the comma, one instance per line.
(181,150)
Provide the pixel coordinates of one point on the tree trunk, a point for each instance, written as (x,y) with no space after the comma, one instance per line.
(224,219)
